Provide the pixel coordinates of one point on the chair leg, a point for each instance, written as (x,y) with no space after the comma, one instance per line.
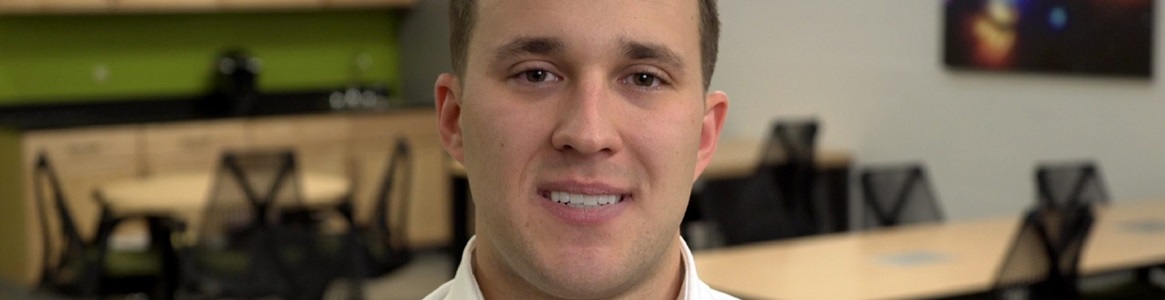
(160,236)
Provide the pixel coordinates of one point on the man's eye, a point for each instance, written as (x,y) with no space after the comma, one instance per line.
(538,76)
(645,79)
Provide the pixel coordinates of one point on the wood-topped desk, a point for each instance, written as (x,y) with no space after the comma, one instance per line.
(919,261)
(738,157)
(185,195)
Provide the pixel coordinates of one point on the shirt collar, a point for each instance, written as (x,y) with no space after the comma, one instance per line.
(464,284)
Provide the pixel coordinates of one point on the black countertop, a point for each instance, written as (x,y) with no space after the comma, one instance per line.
(154,110)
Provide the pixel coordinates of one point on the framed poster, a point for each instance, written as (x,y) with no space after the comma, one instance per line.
(1098,37)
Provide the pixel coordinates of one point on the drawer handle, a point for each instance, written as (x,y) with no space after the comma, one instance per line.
(90,148)
(195,142)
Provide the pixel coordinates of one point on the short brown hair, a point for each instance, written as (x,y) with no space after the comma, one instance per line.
(463,16)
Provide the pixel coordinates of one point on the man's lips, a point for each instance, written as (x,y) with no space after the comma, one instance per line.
(585,209)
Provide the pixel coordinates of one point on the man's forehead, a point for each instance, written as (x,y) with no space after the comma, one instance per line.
(620,25)
(676,11)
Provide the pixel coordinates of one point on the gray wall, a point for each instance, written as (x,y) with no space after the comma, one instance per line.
(871,71)
(424,49)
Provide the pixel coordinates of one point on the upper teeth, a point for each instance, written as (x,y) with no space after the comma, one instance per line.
(584,201)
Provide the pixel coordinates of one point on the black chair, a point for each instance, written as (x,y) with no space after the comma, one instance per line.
(1081,183)
(1043,260)
(745,210)
(1070,183)
(72,266)
(776,201)
(383,240)
(896,195)
(258,238)
(790,155)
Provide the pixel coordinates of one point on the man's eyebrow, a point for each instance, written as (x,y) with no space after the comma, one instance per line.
(645,51)
(529,45)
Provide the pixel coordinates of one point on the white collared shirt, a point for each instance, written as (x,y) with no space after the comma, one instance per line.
(464,285)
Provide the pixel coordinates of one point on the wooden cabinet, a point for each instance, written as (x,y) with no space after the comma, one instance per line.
(189,146)
(76,5)
(370,3)
(166,5)
(271,4)
(19,6)
(320,142)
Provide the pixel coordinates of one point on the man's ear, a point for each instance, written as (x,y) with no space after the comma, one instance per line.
(447,93)
(715,109)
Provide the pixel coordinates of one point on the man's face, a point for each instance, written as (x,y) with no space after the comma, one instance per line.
(582,125)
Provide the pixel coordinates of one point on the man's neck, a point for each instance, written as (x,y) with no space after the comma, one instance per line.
(497,281)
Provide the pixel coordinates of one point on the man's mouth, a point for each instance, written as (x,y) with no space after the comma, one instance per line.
(583,200)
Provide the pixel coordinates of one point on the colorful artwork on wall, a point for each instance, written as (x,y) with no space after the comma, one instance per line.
(1099,37)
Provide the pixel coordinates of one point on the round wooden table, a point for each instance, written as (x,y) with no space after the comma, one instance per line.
(185,195)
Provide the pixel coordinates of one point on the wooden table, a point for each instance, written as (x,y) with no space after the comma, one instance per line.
(739,157)
(185,195)
(920,261)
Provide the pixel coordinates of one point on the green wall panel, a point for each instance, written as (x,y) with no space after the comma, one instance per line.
(55,58)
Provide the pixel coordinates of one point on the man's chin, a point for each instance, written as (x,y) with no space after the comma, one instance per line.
(593,280)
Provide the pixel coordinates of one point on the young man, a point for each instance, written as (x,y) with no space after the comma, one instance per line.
(582,126)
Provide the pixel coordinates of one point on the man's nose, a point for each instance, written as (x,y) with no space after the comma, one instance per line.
(587,119)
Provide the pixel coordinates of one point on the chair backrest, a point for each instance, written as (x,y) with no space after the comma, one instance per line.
(897,195)
(246,185)
(791,141)
(772,202)
(247,190)
(62,241)
(1045,254)
(384,242)
(393,196)
(789,156)
(746,210)
(1067,230)
(1070,183)
(1028,259)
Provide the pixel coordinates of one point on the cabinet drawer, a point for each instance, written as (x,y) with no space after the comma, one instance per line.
(320,142)
(166,5)
(76,5)
(18,6)
(81,147)
(419,124)
(193,137)
(370,3)
(295,131)
(190,146)
(327,158)
(271,3)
